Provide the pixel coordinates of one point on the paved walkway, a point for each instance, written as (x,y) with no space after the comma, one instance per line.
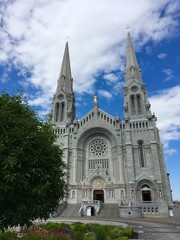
(156,228)
(147,228)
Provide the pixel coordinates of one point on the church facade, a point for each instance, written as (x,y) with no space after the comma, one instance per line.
(110,160)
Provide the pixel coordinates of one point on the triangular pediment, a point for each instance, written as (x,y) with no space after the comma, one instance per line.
(144,176)
(98,114)
(97,173)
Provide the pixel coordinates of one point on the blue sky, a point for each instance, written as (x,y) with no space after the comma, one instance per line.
(32,41)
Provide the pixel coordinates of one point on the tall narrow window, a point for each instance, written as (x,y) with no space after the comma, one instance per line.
(57,112)
(141,154)
(132,105)
(62,112)
(139,104)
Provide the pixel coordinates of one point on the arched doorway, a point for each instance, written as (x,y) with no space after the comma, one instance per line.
(146,193)
(98,195)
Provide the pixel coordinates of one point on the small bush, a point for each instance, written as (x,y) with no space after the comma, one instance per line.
(89,236)
(127,232)
(8,235)
(100,233)
(116,233)
(123,238)
(49,226)
(79,229)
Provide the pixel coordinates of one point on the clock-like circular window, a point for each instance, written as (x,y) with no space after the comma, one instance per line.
(60,96)
(134,88)
(98,147)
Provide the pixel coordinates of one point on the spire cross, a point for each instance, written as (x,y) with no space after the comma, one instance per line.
(67,37)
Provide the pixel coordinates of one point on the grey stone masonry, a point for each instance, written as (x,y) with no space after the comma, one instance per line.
(113,160)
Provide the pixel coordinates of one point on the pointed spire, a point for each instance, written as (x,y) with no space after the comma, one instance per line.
(132,69)
(65,78)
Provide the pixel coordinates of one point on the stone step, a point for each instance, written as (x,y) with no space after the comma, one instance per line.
(109,211)
(72,210)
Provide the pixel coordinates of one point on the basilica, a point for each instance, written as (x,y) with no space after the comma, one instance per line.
(113,163)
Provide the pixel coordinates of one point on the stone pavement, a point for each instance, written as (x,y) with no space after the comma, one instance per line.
(147,228)
(156,228)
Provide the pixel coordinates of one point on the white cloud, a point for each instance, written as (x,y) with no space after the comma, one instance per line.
(111,78)
(105,94)
(166,106)
(162,55)
(169,74)
(33,39)
(33,36)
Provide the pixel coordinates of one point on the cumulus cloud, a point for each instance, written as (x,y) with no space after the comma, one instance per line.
(162,55)
(111,78)
(105,94)
(168,74)
(33,36)
(167,108)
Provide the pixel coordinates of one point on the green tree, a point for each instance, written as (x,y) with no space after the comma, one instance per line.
(32,171)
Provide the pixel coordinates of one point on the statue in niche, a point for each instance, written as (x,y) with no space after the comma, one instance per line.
(73,194)
(126,111)
(132,193)
(160,193)
(122,194)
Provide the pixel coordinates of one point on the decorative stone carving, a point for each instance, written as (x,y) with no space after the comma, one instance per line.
(98,183)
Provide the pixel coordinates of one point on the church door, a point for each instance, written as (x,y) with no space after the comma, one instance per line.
(98,195)
(146,196)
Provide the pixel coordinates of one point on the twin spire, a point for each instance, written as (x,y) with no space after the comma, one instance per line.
(132,69)
(64,108)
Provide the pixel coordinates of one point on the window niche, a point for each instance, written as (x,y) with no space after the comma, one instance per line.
(141,153)
(132,100)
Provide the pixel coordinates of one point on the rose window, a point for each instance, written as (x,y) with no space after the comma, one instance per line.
(98,147)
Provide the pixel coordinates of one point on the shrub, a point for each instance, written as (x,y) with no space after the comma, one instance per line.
(79,229)
(8,235)
(116,232)
(128,232)
(63,233)
(123,238)
(36,233)
(100,233)
(49,226)
(89,236)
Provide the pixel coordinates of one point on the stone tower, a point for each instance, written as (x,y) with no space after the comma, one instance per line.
(63,106)
(116,162)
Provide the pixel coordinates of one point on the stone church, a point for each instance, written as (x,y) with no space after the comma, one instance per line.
(113,162)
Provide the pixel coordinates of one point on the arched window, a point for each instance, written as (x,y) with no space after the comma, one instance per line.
(132,105)
(57,112)
(139,104)
(62,112)
(141,153)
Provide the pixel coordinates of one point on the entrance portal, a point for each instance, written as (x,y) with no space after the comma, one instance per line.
(98,195)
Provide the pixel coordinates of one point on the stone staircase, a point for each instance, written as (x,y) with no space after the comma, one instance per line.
(109,211)
(72,210)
